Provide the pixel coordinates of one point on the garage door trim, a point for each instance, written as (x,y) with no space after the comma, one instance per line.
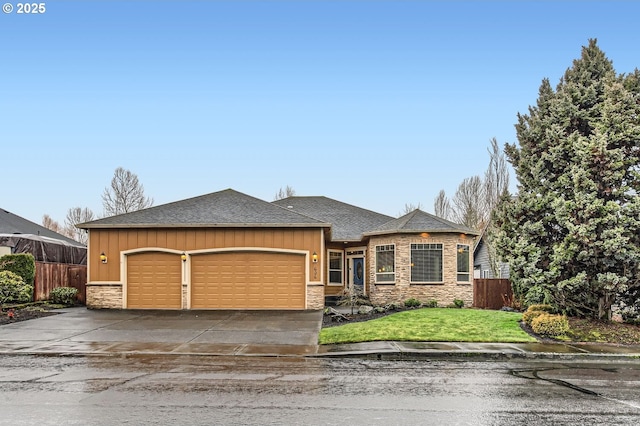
(187,272)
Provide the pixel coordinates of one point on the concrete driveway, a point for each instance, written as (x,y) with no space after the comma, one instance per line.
(83,331)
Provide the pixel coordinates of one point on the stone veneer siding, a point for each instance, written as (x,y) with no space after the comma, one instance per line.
(185,296)
(444,293)
(108,296)
(315,297)
(104,296)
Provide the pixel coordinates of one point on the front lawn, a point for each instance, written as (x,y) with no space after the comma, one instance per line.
(433,325)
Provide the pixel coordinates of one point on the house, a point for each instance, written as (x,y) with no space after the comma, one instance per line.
(60,261)
(228,250)
(482,264)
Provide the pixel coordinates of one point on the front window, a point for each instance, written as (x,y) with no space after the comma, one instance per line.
(463,263)
(426,263)
(335,267)
(386,263)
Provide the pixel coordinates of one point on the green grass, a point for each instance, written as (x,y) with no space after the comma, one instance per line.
(433,325)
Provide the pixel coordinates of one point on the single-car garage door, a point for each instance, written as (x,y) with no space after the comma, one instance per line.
(248,280)
(154,281)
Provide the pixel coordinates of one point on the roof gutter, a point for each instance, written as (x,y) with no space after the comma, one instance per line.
(418,231)
(203,225)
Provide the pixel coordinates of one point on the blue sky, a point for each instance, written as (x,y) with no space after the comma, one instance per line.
(373,103)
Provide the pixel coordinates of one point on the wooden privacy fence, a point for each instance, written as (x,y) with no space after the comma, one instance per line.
(491,293)
(52,275)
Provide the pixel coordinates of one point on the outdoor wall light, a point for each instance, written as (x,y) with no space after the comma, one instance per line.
(103,257)
(184,257)
(315,257)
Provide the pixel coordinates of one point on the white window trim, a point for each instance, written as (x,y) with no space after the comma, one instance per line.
(395,263)
(329,270)
(468,263)
(442,260)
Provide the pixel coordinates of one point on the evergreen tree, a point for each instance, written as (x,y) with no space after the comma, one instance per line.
(572,233)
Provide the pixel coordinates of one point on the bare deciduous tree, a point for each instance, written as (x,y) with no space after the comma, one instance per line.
(54,225)
(49,223)
(288,191)
(442,206)
(409,207)
(126,194)
(496,178)
(476,198)
(75,216)
(469,203)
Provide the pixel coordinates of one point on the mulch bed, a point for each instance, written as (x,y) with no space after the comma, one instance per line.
(9,316)
(330,321)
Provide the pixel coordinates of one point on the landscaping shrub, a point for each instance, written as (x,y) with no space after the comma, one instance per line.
(534,311)
(22,264)
(628,306)
(391,307)
(64,295)
(550,325)
(353,296)
(412,303)
(431,304)
(458,303)
(14,289)
(529,316)
(543,308)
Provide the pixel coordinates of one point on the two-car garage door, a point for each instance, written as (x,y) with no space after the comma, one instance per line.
(247,280)
(221,280)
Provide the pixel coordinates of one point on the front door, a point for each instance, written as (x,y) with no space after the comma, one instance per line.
(356,268)
(358,272)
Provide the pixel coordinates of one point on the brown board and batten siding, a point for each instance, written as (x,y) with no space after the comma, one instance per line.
(112,242)
(279,257)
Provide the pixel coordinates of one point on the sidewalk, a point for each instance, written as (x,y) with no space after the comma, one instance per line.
(489,351)
(81,332)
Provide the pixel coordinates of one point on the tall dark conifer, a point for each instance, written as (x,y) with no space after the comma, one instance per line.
(572,233)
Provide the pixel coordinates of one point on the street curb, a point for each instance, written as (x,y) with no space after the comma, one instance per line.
(475,356)
(481,356)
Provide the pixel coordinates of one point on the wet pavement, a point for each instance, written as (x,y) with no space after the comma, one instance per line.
(196,390)
(78,331)
(81,331)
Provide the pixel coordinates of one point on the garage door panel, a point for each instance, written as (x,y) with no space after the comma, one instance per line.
(248,280)
(154,281)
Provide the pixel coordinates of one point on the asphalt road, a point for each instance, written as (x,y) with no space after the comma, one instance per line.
(274,391)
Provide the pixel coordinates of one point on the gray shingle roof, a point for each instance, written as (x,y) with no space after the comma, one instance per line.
(227,208)
(419,221)
(348,222)
(14,224)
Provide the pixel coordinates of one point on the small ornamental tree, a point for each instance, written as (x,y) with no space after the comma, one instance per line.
(572,233)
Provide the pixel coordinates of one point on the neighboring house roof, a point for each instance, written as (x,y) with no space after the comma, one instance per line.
(227,208)
(479,244)
(420,221)
(16,225)
(482,258)
(348,222)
